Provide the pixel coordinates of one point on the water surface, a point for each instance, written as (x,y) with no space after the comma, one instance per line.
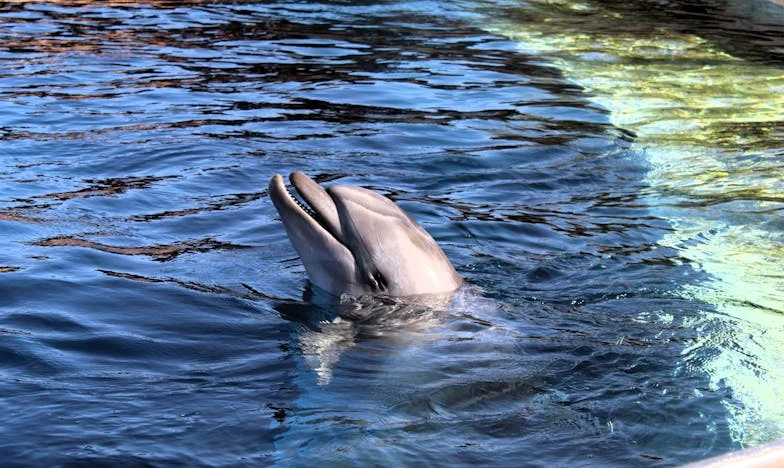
(610,191)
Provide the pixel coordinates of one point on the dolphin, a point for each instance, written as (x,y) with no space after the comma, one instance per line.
(355,241)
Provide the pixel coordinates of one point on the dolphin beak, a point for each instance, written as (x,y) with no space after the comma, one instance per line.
(289,208)
(321,203)
(328,261)
(318,212)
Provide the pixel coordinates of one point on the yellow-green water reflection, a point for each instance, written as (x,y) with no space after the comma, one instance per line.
(712,128)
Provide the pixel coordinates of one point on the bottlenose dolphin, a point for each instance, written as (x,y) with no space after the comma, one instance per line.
(353,240)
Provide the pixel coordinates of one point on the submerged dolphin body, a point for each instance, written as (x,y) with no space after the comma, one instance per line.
(353,240)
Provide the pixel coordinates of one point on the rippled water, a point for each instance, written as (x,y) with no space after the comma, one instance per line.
(605,175)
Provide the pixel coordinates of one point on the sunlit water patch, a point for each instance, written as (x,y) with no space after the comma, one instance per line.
(706,111)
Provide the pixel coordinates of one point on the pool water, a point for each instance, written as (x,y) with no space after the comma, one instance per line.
(604,175)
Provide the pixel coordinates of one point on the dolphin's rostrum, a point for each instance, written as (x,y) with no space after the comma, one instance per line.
(353,240)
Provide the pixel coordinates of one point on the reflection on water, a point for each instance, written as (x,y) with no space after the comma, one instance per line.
(153,311)
(710,123)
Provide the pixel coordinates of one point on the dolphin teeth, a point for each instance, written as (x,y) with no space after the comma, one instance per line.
(304,207)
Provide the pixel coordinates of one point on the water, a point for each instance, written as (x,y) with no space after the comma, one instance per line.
(605,176)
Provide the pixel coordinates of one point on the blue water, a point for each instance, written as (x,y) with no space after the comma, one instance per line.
(153,311)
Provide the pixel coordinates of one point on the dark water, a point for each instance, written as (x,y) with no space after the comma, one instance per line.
(153,311)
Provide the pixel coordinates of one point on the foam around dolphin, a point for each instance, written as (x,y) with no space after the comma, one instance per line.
(353,240)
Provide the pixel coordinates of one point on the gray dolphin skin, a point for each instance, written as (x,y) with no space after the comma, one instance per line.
(353,240)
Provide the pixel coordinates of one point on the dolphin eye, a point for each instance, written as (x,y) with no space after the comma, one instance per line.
(380,281)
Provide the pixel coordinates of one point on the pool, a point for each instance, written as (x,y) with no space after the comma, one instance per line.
(605,176)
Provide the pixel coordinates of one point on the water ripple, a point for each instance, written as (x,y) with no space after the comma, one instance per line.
(153,311)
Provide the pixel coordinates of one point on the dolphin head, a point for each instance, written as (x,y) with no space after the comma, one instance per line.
(353,240)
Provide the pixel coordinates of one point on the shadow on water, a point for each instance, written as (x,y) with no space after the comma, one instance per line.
(151,308)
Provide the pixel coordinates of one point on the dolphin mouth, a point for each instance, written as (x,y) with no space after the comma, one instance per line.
(312,203)
(299,200)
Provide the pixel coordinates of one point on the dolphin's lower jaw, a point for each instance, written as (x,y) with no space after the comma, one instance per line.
(353,240)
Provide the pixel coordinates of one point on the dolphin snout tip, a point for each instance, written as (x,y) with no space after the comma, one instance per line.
(300,178)
(275,181)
